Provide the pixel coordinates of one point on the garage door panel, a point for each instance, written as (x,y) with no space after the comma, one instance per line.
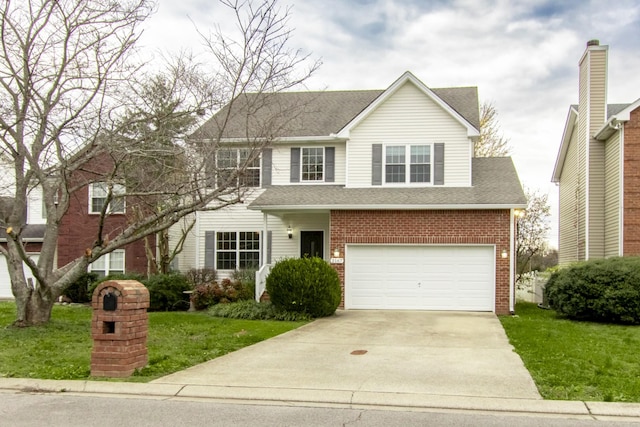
(420,277)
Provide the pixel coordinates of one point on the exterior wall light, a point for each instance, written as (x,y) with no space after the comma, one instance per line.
(504,253)
(290,232)
(336,253)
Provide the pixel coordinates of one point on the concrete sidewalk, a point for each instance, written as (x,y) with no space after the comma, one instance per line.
(331,398)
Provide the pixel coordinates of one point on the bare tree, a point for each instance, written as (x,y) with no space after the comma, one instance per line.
(491,143)
(532,227)
(69,118)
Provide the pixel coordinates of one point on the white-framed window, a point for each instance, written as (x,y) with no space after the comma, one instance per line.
(237,250)
(407,164)
(230,160)
(111,263)
(98,196)
(312,164)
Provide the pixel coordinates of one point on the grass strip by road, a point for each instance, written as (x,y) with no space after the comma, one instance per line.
(571,360)
(62,348)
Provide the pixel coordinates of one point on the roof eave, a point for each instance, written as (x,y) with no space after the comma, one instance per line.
(388,207)
(572,116)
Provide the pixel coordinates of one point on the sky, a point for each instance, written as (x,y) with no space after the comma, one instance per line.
(522,55)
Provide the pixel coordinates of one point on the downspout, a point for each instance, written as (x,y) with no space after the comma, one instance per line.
(620,126)
(512,244)
(197,240)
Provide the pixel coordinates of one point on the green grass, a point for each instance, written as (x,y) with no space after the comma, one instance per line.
(572,360)
(62,348)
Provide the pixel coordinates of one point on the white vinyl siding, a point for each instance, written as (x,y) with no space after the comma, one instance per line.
(612,197)
(409,117)
(570,221)
(5,280)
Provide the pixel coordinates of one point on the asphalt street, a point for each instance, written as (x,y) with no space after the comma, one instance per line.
(36,410)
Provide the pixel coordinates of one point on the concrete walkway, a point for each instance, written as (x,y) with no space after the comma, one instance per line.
(417,352)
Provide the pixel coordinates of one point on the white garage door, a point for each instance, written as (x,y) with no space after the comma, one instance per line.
(5,281)
(420,277)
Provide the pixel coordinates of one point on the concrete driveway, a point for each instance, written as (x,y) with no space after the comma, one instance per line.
(439,353)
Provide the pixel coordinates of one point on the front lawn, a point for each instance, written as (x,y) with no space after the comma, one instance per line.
(576,360)
(177,340)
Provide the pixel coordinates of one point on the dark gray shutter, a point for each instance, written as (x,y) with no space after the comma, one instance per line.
(267,155)
(210,170)
(295,164)
(209,249)
(438,164)
(329,164)
(269,243)
(376,164)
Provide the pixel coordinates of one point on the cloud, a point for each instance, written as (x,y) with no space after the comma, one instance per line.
(522,55)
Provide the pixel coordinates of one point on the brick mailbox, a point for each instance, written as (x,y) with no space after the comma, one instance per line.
(119,328)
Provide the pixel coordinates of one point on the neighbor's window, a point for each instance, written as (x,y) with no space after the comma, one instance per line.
(418,164)
(312,164)
(237,250)
(98,197)
(111,263)
(238,167)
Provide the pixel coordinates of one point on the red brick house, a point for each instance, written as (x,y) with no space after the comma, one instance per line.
(380,183)
(79,227)
(598,169)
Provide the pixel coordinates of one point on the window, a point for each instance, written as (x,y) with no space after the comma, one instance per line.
(231,161)
(312,164)
(396,164)
(237,250)
(98,196)
(111,263)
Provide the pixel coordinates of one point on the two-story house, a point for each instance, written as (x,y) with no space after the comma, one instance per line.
(32,236)
(598,169)
(383,185)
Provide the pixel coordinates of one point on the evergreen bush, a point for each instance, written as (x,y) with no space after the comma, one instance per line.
(304,285)
(600,290)
(166,292)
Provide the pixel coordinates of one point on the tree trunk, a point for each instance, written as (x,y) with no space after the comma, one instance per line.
(36,310)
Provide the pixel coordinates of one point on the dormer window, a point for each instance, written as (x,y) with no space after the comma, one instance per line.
(407,164)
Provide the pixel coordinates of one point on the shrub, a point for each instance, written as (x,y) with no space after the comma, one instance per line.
(601,290)
(253,310)
(226,291)
(305,285)
(201,276)
(78,291)
(166,292)
(248,280)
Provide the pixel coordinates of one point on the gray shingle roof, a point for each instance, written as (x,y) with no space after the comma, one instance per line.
(30,232)
(302,114)
(612,109)
(495,184)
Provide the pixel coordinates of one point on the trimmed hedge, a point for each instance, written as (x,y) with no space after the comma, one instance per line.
(304,285)
(600,290)
(166,292)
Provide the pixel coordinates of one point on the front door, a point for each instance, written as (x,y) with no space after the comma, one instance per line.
(312,244)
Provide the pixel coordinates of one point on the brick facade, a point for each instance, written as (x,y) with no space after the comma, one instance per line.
(78,228)
(631,227)
(452,227)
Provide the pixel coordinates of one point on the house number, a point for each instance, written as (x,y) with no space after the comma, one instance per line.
(337,260)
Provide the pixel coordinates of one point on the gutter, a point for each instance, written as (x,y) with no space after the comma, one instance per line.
(385,207)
